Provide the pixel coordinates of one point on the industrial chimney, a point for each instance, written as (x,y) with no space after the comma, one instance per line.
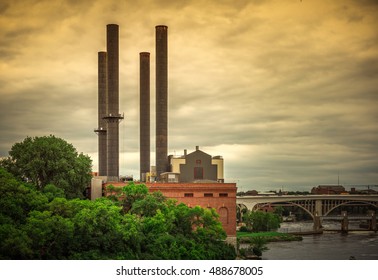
(144,111)
(161,100)
(113,116)
(102,124)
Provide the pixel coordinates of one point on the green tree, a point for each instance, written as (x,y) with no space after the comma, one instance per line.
(17,200)
(15,244)
(43,225)
(51,192)
(261,221)
(50,160)
(279,210)
(51,235)
(258,245)
(174,231)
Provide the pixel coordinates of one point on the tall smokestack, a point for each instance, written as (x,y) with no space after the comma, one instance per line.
(113,117)
(161,99)
(144,111)
(102,124)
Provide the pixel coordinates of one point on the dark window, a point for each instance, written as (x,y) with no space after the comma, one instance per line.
(198,173)
(208,195)
(188,194)
(198,161)
(223,195)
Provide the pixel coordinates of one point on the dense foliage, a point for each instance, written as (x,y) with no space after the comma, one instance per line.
(257,221)
(50,160)
(133,224)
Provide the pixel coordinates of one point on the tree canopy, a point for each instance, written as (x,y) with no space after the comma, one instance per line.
(50,160)
(41,224)
(257,221)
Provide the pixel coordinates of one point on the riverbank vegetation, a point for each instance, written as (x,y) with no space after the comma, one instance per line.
(245,237)
(258,221)
(43,216)
(258,230)
(251,245)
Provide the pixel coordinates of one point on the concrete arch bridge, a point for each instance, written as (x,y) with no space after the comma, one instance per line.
(317,206)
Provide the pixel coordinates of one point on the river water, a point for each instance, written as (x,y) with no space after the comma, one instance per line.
(326,246)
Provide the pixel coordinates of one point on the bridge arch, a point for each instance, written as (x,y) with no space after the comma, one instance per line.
(349,202)
(288,203)
(241,206)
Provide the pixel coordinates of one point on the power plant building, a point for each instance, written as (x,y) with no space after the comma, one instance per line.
(197,166)
(196,178)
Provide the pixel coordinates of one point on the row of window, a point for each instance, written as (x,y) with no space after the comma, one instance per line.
(206,195)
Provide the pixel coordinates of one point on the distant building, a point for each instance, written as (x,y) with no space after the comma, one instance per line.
(197,166)
(252,192)
(365,191)
(328,189)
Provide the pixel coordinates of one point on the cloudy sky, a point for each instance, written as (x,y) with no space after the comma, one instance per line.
(285,90)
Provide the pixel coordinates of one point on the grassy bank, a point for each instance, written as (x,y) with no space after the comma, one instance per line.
(245,237)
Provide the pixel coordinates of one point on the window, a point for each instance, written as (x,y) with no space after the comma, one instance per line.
(188,194)
(223,195)
(198,173)
(198,161)
(208,195)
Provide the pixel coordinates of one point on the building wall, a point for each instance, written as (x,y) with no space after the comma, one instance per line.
(200,160)
(96,187)
(175,163)
(218,161)
(220,196)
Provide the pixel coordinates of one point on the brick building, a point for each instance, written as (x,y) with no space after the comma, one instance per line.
(220,196)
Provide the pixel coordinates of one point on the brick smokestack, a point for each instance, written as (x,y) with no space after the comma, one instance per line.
(161,99)
(144,111)
(102,124)
(113,116)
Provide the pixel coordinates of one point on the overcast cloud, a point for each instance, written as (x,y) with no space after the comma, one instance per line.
(285,90)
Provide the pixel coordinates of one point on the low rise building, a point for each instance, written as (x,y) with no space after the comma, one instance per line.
(328,189)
